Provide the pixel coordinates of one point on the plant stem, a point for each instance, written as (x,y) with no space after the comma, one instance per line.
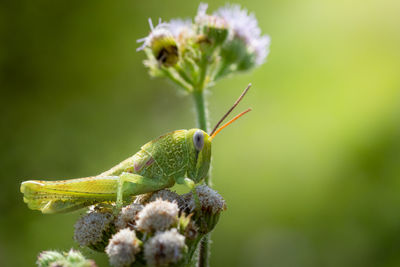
(198,94)
(204,251)
(183,74)
(192,250)
(202,117)
(182,84)
(201,109)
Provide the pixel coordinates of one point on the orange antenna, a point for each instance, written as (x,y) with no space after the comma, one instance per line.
(229,122)
(230,110)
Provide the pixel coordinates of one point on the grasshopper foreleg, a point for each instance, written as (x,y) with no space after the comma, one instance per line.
(192,186)
(134,184)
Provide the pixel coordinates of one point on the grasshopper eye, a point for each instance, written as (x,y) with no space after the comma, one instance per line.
(198,140)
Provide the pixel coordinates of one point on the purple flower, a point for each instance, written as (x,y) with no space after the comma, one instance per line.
(245,27)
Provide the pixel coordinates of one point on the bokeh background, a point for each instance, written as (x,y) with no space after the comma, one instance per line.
(311,176)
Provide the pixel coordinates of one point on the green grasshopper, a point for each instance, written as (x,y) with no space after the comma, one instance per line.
(181,157)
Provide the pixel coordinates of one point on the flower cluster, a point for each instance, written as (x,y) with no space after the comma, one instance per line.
(194,54)
(159,229)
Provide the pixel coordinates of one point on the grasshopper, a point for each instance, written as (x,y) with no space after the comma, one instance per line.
(181,157)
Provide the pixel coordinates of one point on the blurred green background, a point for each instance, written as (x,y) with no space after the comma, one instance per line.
(311,176)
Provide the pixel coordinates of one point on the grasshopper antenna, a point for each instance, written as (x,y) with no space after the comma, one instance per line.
(229,122)
(230,110)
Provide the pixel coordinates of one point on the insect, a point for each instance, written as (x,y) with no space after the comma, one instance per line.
(181,156)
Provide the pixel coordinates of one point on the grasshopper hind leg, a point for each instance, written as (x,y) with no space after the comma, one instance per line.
(38,199)
(74,194)
(68,195)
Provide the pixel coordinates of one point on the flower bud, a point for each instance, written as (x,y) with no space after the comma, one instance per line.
(213,28)
(57,259)
(211,205)
(75,258)
(123,247)
(164,248)
(165,49)
(167,195)
(162,44)
(158,215)
(94,229)
(127,217)
(46,258)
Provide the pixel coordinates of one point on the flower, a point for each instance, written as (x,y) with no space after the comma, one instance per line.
(245,27)
(164,248)
(75,258)
(196,53)
(162,44)
(167,195)
(127,216)
(209,199)
(210,204)
(158,215)
(180,27)
(46,258)
(57,259)
(203,19)
(215,28)
(122,248)
(94,229)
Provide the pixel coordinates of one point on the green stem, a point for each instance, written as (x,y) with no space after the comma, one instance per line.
(183,74)
(192,250)
(202,117)
(204,251)
(223,70)
(203,73)
(201,109)
(182,84)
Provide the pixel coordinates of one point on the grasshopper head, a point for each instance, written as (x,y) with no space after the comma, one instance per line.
(199,144)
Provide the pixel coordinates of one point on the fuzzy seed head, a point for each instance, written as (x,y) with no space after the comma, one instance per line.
(167,195)
(94,229)
(122,248)
(164,248)
(158,215)
(209,199)
(127,216)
